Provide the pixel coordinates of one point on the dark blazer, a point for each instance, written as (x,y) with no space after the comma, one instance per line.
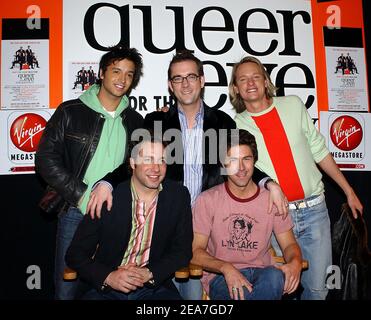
(213,119)
(171,246)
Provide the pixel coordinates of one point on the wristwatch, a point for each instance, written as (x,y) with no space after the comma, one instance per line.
(105,287)
(151,281)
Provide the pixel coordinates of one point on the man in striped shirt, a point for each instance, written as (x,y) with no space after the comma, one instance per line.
(132,252)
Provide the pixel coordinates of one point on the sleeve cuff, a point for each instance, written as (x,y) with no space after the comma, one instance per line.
(103,182)
(263,182)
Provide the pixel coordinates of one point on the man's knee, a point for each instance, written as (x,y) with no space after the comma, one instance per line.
(276,279)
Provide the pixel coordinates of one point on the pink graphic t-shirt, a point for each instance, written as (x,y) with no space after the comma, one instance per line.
(239,230)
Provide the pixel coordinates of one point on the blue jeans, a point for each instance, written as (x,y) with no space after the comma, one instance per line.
(160,293)
(67,225)
(313,233)
(189,290)
(267,284)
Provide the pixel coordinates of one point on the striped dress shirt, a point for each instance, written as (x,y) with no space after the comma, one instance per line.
(192,146)
(143,220)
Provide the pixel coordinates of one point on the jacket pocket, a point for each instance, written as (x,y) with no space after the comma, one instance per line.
(76,137)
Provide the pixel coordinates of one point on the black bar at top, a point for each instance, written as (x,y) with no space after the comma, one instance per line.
(16,29)
(343,37)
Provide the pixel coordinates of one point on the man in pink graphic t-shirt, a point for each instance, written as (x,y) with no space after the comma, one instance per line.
(232,231)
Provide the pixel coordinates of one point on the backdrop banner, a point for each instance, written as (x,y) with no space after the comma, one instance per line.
(299,42)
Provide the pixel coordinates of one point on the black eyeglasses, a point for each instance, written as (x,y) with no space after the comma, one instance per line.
(190,78)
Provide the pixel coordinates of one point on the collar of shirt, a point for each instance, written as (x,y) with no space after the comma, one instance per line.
(199,117)
(135,195)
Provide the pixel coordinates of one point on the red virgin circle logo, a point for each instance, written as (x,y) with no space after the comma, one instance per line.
(346,133)
(26,131)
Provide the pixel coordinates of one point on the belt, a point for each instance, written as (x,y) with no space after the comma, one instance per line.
(301,204)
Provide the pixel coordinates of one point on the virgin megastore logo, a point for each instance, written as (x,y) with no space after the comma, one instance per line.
(346,134)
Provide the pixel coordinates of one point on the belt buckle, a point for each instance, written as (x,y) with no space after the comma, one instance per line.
(302,205)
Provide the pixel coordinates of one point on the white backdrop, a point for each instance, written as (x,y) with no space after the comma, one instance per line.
(219,14)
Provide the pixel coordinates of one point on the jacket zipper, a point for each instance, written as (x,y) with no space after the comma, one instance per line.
(78,138)
(126,134)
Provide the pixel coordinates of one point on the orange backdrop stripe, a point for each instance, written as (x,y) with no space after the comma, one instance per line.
(54,11)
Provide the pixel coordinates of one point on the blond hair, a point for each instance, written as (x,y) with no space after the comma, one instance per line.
(236,100)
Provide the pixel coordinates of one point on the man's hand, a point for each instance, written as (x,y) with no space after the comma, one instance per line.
(292,272)
(163,109)
(98,196)
(354,204)
(235,281)
(144,271)
(126,278)
(278,198)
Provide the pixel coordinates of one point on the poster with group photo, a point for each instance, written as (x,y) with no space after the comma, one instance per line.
(346,74)
(25,65)
(346,70)
(81,76)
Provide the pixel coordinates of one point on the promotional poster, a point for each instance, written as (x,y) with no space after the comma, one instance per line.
(25,66)
(81,76)
(346,77)
(220,33)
